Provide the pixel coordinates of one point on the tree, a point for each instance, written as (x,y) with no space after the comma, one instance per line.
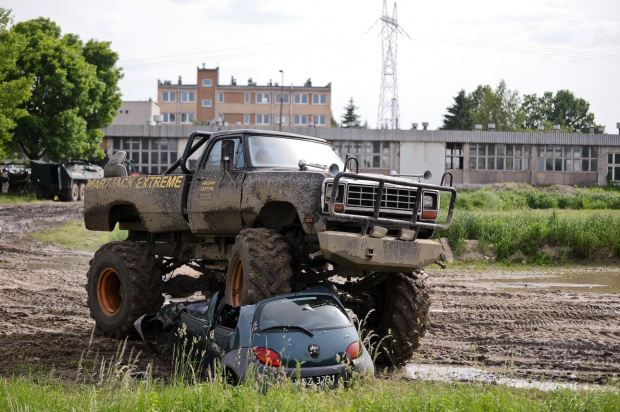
(349,113)
(563,108)
(75,92)
(458,117)
(15,92)
(501,106)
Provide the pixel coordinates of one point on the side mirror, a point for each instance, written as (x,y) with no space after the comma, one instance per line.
(228,154)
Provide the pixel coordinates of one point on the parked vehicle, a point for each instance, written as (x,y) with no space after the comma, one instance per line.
(65,180)
(306,336)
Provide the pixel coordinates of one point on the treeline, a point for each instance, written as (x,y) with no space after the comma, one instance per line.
(510,111)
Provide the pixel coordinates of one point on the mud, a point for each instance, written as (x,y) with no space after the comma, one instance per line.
(547,324)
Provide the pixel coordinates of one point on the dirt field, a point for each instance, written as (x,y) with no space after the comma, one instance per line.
(552,324)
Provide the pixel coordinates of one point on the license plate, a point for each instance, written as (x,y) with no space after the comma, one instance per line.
(318,381)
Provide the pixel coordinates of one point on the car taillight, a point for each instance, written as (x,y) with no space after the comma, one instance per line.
(267,356)
(353,351)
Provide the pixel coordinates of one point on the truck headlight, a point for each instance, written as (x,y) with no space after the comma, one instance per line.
(429,201)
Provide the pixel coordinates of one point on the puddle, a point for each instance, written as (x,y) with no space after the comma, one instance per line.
(577,281)
(443,373)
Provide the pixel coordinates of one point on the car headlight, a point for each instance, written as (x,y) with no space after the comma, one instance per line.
(429,201)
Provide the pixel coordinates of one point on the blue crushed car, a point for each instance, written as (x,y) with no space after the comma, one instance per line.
(307,336)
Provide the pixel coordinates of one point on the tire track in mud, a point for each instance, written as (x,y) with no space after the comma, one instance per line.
(551,333)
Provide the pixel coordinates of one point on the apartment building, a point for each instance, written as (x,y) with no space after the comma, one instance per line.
(248,104)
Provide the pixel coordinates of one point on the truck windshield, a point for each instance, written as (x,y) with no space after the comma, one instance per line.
(270,151)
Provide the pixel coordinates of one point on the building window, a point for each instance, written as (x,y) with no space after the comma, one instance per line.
(169,117)
(300,98)
(206,103)
(454,155)
(613,166)
(371,155)
(319,120)
(567,158)
(246,99)
(149,155)
(169,97)
(276,118)
(221,97)
(319,99)
(246,119)
(207,83)
(300,119)
(499,156)
(262,119)
(188,97)
(262,98)
(187,117)
(284,101)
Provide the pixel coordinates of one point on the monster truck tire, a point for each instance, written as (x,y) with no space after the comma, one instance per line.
(402,304)
(124,282)
(259,267)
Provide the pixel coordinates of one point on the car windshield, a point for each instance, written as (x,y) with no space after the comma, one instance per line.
(270,151)
(308,312)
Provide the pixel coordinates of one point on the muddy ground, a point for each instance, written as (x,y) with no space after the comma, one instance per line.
(547,323)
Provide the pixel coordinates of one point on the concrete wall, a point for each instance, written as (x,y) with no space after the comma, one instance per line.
(418,157)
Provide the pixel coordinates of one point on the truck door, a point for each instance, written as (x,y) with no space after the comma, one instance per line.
(214,198)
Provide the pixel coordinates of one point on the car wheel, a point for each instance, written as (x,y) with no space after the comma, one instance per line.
(259,267)
(124,282)
(401,316)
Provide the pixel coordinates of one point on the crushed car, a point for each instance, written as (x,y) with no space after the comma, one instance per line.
(307,337)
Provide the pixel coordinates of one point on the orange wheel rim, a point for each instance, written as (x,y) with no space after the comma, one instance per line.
(109,292)
(236,283)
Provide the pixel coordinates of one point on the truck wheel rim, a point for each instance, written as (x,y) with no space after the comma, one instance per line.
(109,292)
(236,283)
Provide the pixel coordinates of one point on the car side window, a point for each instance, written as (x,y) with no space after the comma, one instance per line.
(214,159)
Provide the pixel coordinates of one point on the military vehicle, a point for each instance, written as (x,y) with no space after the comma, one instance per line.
(264,214)
(65,180)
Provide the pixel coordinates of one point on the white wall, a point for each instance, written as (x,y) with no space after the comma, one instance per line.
(418,157)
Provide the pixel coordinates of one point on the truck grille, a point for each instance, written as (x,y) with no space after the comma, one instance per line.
(360,196)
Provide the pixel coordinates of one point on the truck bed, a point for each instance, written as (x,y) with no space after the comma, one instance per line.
(151,203)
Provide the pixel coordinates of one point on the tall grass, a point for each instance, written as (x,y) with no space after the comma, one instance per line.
(394,394)
(523,197)
(580,235)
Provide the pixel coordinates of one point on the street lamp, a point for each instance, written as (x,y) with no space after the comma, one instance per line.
(281,98)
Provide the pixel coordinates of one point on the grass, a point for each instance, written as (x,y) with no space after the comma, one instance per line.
(372,394)
(12,199)
(74,235)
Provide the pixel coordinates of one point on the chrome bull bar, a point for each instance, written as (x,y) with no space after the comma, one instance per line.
(414,222)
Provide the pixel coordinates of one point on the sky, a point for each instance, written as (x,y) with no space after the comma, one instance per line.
(445,46)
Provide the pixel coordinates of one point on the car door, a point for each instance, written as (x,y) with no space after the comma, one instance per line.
(214,199)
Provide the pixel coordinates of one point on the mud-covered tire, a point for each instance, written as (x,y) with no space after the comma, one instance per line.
(82,189)
(124,282)
(401,317)
(259,267)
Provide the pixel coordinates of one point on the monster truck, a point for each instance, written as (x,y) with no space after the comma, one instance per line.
(263,214)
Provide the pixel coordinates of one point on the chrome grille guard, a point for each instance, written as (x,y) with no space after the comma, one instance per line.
(414,222)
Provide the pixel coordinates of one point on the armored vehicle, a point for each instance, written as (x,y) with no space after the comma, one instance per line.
(264,214)
(65,180)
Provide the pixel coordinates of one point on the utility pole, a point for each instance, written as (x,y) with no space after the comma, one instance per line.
(281,98)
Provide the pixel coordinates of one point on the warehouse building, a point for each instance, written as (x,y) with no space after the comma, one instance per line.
(475,158)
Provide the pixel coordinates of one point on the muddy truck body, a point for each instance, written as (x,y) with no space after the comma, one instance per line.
(264,214)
